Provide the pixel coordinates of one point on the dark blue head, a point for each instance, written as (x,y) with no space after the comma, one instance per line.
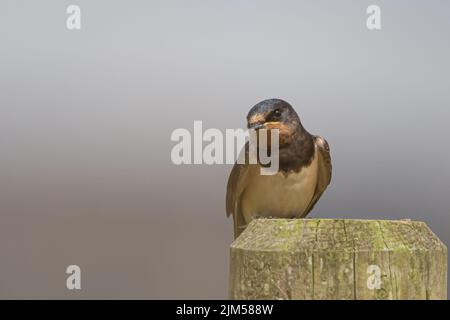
(275,114)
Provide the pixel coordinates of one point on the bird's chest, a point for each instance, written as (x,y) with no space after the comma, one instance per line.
(280,195)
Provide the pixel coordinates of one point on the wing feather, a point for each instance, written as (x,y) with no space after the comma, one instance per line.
(324,170)
(236,185)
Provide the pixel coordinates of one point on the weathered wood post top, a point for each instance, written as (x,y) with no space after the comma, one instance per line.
(337,259)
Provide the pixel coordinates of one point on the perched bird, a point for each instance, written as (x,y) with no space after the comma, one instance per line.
(304,170)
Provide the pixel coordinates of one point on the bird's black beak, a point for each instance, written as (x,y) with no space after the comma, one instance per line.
(256,125)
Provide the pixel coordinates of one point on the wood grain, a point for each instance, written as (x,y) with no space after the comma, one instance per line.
(337,259)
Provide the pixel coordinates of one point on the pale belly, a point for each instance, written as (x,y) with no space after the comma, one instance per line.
(280,196)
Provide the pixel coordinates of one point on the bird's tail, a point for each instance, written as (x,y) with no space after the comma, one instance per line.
(239,224)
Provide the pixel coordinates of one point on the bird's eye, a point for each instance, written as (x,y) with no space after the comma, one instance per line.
(277,113)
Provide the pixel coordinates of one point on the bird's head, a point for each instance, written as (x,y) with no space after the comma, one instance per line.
(275,114)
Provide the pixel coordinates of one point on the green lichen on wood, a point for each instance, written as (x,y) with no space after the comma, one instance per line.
(329,259)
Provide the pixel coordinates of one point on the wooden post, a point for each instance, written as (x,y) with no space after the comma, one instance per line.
(337,259)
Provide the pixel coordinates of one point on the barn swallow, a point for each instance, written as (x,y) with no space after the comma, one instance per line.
(303,175)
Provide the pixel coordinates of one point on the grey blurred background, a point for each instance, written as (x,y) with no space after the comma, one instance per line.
(86,118)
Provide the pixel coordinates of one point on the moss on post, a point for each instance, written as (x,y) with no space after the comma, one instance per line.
(337,259)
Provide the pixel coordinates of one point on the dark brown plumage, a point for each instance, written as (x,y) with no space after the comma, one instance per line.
(304,170)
